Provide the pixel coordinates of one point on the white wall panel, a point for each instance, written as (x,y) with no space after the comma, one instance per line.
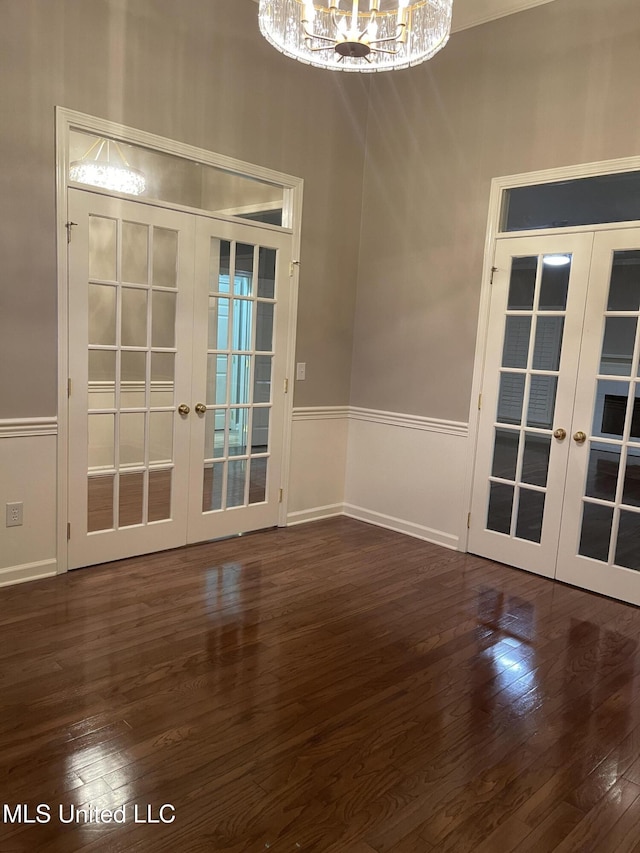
(407,474)
(318,462)
(398,471)
(28,474)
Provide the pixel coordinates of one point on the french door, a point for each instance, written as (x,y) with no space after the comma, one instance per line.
(557,477)
(177,353)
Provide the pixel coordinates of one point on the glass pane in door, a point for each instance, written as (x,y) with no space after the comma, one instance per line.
(628,541)
(242,305)
(610,528)
(131,357)
(533,336)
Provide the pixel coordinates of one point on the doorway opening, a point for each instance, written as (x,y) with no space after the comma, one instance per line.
(178,309)
(557,449)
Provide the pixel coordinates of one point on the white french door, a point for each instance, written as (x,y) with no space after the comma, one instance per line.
(177,352)
(238,378)
(557,476)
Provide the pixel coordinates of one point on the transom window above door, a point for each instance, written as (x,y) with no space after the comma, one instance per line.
(561,204)
(175,180)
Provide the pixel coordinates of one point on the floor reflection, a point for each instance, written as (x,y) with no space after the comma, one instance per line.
(233,595)
(579,681)
(287,687)
(506,652)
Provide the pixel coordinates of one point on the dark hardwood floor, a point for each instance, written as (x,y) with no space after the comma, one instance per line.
(334,688)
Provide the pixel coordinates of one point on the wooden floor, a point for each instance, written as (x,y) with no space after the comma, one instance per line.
(332,687)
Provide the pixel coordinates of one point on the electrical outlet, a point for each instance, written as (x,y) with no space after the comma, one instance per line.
(301,370)
(14,514)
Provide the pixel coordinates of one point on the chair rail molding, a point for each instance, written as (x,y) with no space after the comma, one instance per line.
(320,413)
(25,427)
(421,422)
(414,487)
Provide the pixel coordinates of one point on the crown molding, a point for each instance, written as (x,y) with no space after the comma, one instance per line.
(473,13)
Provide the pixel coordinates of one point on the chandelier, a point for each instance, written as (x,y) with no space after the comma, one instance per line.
(357,35)
(104,165)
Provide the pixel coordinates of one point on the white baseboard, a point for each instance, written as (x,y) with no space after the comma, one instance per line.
(414,487)
(314,514)
(399,525)
(28,572)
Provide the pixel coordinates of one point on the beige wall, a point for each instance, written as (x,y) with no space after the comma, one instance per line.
(553,86)
(199,72)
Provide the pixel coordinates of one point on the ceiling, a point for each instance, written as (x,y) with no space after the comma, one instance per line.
(471,13)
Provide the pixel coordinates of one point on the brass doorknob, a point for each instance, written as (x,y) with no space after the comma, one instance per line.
(184,409)
(201,408)
(560,434)
(579,437)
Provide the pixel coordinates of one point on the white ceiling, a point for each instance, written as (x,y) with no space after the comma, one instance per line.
(470,13)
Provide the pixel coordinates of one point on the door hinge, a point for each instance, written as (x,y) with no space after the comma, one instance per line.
(68,531)
(69,226)
(280,496)
(494,270)
(68,387)
(469,521)
(292,266)
(286,386)
(479,401)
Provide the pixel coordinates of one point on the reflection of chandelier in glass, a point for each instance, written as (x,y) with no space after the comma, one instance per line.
(107,169)
(373,35)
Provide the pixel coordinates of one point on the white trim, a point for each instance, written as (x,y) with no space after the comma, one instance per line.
(498,186)
(100,386)
(479,355)
(182,208)
(410,421)
(563,173)
(293,210)
(93,124)
(62,491)
(418,531)
(315,514)
(376,416)
(320,413)
(28,572)
(262,207)
(570,229)
(23,427)
(292,214)
(484,18)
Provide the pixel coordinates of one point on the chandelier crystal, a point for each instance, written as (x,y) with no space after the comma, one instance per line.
(357,35)
(104,165)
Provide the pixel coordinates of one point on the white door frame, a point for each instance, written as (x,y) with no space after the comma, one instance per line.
(292,212)
(493,235)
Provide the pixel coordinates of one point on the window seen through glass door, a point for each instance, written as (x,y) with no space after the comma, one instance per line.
(242,304)
(532,348)
(611,503)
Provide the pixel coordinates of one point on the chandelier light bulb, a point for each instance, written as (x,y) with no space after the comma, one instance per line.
(357,35)
(557,260)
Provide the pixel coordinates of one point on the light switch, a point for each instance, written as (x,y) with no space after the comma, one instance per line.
(301,370)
